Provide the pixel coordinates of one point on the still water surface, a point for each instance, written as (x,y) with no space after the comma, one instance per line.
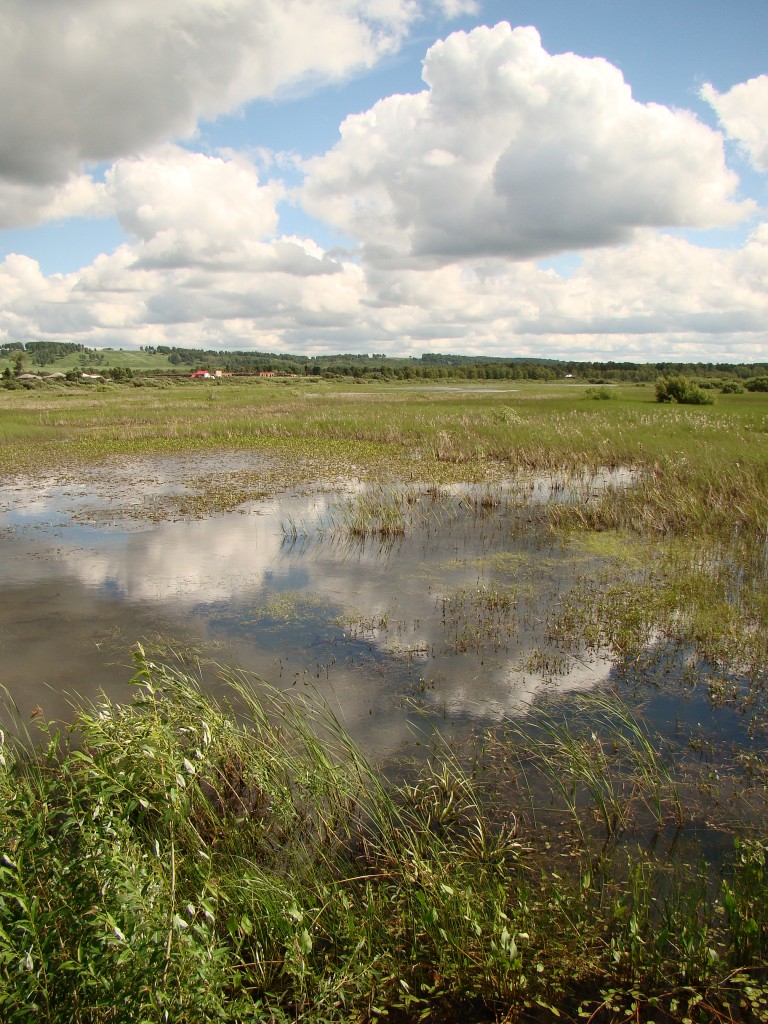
(448,627)
(439,628)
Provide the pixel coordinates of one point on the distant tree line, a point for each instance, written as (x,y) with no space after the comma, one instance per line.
(436,366)
(429,366)
(42,352)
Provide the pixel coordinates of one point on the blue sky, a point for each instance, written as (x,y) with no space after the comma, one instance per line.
(569,178)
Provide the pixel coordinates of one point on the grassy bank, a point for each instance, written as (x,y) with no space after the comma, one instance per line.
(698,462)
(683,548)
(183,862)
(190,864)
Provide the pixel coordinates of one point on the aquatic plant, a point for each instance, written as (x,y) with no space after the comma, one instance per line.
(192,861)
(183,858)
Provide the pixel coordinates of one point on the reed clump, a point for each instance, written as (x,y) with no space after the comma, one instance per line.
(713,499)
(191,860)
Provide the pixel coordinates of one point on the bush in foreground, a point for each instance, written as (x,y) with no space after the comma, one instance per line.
(184,863)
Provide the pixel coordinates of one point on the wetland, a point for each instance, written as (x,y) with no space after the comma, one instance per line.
(440,704)
(390,602)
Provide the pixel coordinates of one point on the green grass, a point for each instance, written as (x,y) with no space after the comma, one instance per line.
(99,360)
(701,496)
(422,435)
(187,862)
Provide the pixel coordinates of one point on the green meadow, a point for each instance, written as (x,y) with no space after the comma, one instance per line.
(184,858)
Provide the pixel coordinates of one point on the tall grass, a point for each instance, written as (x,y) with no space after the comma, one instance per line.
(539,427)
(701,468)
(183,859)
(601,753)
(192,860)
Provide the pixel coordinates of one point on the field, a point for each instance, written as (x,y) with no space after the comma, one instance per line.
(191,861)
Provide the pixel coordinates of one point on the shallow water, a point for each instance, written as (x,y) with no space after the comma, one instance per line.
(445,627)
(439,627)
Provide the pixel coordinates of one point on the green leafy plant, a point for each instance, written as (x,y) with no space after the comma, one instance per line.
(681,390)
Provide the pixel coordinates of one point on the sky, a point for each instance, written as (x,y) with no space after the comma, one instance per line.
(570,179)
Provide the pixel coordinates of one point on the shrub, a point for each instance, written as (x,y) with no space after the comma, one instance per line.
(757,384)
(597,393)
(120,373)
(682,390)
(731,387)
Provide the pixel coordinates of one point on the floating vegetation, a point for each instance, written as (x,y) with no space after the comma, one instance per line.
(677,600)
(286,607)
(481,616)
(365,626)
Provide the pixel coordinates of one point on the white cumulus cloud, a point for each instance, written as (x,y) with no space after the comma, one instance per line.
(743,113)
(513,152)
(659,298)
(188,209)
(509,153)
(93,80)
(25,203)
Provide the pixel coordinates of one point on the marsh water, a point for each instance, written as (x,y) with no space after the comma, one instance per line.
(446,626)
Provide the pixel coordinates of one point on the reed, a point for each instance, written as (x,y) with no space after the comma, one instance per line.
(183,858)
(196,860)
(600,753)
